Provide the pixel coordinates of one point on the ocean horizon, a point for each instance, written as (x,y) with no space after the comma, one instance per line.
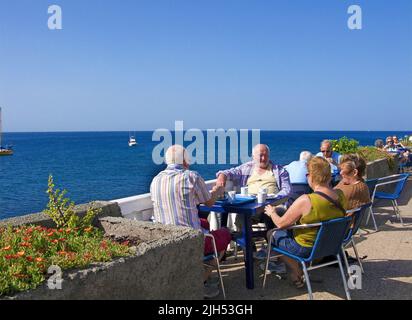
(99,165)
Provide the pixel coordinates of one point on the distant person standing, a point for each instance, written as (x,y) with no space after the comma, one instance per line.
(379,144)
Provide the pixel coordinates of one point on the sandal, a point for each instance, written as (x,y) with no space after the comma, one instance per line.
(299,283)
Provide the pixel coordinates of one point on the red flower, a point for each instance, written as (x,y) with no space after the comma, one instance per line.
(25,244)
(103,244)
(62,239)
(9,256)
(55,241)
(126,243)
(29,258)
(50,234)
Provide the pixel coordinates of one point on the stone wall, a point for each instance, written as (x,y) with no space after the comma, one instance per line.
(167,264)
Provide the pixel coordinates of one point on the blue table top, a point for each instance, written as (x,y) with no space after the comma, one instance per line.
(245,208)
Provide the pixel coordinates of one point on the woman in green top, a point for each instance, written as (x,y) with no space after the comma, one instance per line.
(322,205)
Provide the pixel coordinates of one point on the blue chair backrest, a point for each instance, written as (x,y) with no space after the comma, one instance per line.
(357,218)
(401,184)
(371,185)
(330,238)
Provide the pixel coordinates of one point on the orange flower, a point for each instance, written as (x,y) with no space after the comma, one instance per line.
(68,230)
(62,253)
(38,259)
(50,234)
(88,229)
(25,244)
(87,255)
(62,239)
(60,230)
(7,248)
(21,253)
(29,230)
(125,243)
(103,244)
(55,241)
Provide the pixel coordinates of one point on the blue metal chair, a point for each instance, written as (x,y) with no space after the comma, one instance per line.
(357,217)
(400,180)
(215,256)
(299,189)
(372,189)
(328,242)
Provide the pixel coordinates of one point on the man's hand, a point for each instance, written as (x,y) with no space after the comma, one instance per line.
(217,190)
(221,180)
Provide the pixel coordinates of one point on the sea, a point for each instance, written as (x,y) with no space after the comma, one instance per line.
(101,165)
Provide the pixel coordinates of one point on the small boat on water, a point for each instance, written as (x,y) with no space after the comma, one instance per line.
(7,150)
(132,141)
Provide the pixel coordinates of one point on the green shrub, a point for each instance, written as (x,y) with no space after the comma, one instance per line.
(345,145)
(61,209)
(371,154)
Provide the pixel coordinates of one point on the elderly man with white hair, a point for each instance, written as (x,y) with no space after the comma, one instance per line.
(298,169)
(176,192)
(261,172)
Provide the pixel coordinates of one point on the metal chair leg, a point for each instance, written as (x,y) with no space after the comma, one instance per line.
(357,255)
(220,277)
(305,272)
(269,249)
(345,259)
(399,211)
(372,214)
(345,284)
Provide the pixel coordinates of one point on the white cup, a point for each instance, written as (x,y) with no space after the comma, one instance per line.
(244,191)
(231,196)
(261,198)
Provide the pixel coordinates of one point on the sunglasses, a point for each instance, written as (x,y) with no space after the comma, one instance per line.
(325,151)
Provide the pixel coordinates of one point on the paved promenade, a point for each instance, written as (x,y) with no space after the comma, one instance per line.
(388,265)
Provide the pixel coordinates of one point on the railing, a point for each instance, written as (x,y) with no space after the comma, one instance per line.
(140,207)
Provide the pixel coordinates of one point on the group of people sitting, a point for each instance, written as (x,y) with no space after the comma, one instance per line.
(394,146)
(177,191)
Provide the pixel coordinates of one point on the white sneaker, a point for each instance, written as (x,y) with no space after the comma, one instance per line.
(274,267)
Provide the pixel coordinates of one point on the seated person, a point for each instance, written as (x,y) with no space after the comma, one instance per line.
(259,173)
(322,205)
(352,170)
(327,153)
(379,144)
(405,154)
(176,192)
(297,174)
(390,146)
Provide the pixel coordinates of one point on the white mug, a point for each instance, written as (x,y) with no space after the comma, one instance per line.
(244,191)
(261,198)
(231,196)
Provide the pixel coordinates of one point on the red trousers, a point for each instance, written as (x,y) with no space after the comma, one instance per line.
(222,238)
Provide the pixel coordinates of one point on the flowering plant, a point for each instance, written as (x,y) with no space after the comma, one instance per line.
(26,252)
(345,145)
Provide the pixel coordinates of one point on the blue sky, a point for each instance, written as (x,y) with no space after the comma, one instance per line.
(141,65)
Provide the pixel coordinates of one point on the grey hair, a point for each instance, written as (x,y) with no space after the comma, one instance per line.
(176,154)
(305,156)
(258,145)
(326,141)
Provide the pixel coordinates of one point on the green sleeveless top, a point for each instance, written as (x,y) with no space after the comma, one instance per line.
(322,210)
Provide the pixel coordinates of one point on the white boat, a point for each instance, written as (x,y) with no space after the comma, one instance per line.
(4,151)
(132,141)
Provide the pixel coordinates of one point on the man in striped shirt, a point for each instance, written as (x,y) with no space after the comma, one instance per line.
(177,191)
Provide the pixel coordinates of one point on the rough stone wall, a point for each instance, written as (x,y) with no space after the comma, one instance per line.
(167,265)
(379,169)
(109,209)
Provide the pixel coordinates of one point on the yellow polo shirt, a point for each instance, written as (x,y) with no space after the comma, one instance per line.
(265,180)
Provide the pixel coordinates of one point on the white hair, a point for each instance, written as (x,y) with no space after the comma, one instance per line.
(176,154)
(305,156)
(255,148)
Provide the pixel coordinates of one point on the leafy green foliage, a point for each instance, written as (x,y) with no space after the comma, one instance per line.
(26,253)
(345,145)
(371,154)
(61,209)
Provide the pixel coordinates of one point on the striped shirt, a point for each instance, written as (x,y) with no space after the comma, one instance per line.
(175,194)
